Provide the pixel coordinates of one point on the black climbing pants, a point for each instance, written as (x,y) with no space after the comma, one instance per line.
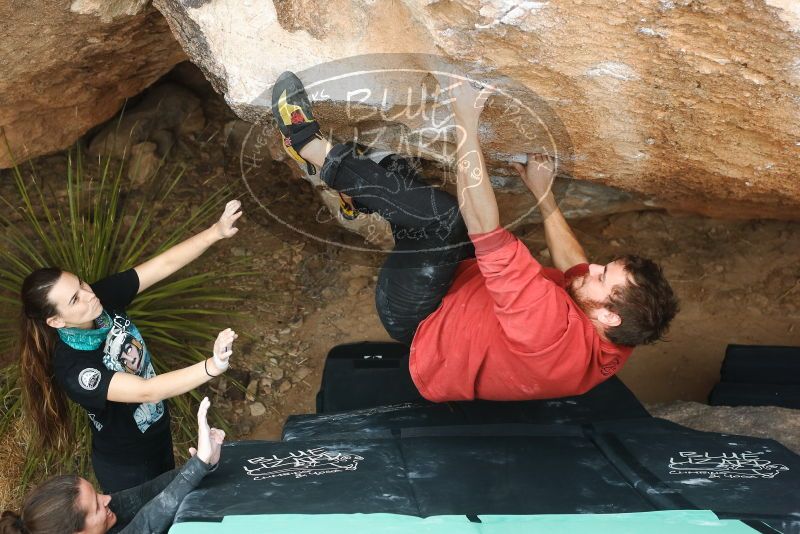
(429,233)
(117,474)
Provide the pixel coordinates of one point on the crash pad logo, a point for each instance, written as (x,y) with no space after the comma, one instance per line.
(726,465)
(300,464)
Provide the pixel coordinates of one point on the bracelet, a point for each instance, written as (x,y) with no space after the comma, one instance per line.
(205,366)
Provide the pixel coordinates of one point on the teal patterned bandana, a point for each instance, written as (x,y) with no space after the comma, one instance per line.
(80,339)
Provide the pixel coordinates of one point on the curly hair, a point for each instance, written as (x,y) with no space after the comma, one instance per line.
(646,306)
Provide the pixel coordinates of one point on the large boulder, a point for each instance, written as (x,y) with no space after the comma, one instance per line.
(687,105)
(68,66)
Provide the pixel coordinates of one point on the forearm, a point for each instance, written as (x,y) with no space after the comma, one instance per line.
(475,194)
(176,257)
(180,381)
(158,514)
(127,503)
(131,388)
(565,250)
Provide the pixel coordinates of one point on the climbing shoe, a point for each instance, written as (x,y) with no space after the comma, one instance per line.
(292,112)
(346,208)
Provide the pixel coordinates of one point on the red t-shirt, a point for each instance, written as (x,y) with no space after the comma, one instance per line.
(508,330)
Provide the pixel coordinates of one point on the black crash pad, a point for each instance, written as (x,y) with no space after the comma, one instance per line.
(624,466)
(599,452)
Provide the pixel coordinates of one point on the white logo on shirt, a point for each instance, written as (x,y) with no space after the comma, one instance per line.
(97,424)
(89,378)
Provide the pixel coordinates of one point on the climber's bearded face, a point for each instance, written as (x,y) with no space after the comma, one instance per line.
(592,291)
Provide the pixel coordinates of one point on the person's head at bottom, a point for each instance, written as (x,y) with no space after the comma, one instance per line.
(69,504)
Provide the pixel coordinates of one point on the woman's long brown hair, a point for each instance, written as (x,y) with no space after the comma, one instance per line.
(45,402)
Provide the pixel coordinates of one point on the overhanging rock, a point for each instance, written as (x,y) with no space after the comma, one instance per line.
(67,67)
(691,106)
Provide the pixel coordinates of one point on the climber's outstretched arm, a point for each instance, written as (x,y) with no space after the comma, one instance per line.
(538,174)
(475,195)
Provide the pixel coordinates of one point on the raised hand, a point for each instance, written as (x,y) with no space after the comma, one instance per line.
(223,348)
(468,99)
(209,440)
(538,174)
(217,439)
(204,448)
(225,225)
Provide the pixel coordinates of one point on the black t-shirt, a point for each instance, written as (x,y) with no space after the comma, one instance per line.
(127,431)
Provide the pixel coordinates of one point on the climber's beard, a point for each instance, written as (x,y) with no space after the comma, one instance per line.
(587,305)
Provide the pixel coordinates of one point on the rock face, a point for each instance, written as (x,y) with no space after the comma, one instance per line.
(165,112)
(780,424)
(686,105)
(67,67)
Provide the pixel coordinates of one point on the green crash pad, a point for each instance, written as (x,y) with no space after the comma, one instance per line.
(663,522)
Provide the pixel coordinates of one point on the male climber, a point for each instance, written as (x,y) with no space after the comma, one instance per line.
(482,317)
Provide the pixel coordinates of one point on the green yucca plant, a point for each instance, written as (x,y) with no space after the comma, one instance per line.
(98,227)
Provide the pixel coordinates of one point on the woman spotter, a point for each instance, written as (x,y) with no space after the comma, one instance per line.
(77,342)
